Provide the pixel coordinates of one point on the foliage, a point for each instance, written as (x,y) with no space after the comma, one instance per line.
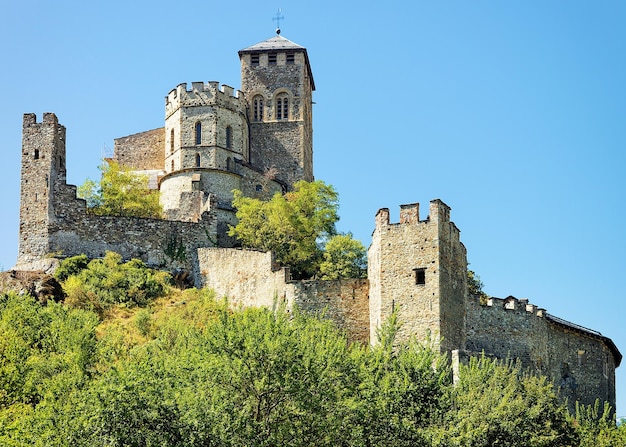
(187,371)
(299,227)
(293,225)
(495,403)
(45,351)
(343,257)
(71,266)
(475,286)
(596,426)
(105,282)
(120,192)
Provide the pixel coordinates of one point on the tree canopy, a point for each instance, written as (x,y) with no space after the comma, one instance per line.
(297,226)
(120,192)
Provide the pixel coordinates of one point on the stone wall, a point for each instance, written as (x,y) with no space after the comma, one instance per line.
(142,151)
(581,362)
(345,302)
(251,278)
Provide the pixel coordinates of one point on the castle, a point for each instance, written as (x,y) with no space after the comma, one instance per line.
(259,141)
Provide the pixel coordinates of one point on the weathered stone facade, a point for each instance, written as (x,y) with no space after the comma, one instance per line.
(259,141)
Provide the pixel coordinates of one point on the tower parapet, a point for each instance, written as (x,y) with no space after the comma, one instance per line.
(204,94)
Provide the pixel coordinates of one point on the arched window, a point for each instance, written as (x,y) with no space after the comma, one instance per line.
(229,137)
(172,142)
(198,132)
(257,108)
(197,160)
(282,107)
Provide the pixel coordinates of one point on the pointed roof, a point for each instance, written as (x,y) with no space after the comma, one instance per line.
(273,44)
(279,43)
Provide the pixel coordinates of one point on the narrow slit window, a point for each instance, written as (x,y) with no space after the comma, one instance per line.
(172,141)
(36,156)
(198,133)
(197,160)
(229,137)
(420,276)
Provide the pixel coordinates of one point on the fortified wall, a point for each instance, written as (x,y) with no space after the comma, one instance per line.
(54,221)
(580,361)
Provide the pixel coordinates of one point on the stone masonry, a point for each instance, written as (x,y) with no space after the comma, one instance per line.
(259,140)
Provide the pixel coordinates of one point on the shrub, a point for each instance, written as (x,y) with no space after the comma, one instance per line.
(109,281)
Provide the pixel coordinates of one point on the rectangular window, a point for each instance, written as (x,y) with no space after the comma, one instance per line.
(291,58)
(254,59)
(271,58)
(420,276)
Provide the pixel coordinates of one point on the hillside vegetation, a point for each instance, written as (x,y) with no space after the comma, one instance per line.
(128,360)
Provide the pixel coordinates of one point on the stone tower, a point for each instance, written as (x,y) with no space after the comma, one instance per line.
(43,170)
(278,85)
(205,134)
(419,269)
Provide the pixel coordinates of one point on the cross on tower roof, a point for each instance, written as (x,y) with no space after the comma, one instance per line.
(278,18)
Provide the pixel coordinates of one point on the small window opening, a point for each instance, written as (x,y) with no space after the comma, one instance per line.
(254,59)
(172,142)
(259,188)
(257,109)
(282,107)
(229,164)
(172,165)
(420,276)
(198,133)
(291,58)
(197,160)
(271,59)
(36,156)
(229,137)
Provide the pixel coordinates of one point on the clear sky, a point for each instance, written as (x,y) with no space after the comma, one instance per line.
(513,113)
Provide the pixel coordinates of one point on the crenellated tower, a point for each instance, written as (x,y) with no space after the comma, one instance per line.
(418,268)
(278,84)
(43,170)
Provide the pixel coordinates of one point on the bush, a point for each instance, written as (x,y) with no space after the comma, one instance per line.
(106,282)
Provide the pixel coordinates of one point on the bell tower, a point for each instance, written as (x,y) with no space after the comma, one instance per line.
(278,85)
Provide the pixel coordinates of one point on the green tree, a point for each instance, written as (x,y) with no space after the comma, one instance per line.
(45,351)
(595,425)
(105,282)
(343,257)
(120,192)
(294,225)
(496,403)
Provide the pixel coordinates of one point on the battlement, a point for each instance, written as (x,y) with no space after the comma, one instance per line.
(48,118)
(409,214)
(204,94)
(511,303)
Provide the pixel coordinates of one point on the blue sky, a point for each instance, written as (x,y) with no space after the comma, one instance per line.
(513,113)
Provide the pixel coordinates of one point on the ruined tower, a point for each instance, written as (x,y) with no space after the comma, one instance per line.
(43,167)
(418,268)
(278,85)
